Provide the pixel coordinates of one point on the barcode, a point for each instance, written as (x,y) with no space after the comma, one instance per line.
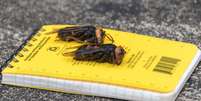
(166,65)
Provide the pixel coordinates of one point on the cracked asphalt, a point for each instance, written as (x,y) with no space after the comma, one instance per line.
(170,19)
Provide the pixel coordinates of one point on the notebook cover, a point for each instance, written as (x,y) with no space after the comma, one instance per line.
(150,63)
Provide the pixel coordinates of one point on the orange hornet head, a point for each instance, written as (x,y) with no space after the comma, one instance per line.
(100,35)
(119,54)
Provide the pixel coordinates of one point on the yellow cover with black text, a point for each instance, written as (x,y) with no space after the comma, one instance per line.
(153,69)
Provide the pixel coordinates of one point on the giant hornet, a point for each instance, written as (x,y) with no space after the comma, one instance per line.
(103,53)
(87,34)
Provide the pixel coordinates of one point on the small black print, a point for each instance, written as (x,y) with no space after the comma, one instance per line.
(53,49)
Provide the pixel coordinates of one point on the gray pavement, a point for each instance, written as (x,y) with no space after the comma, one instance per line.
(170,19)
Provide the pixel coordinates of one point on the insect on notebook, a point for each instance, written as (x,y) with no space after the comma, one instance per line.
(153,69)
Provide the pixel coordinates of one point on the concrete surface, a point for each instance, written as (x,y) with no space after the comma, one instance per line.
(172,19)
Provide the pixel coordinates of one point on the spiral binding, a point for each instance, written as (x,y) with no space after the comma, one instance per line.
(16,52)
(20,55)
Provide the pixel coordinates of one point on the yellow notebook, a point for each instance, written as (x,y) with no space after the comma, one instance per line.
(152,69)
